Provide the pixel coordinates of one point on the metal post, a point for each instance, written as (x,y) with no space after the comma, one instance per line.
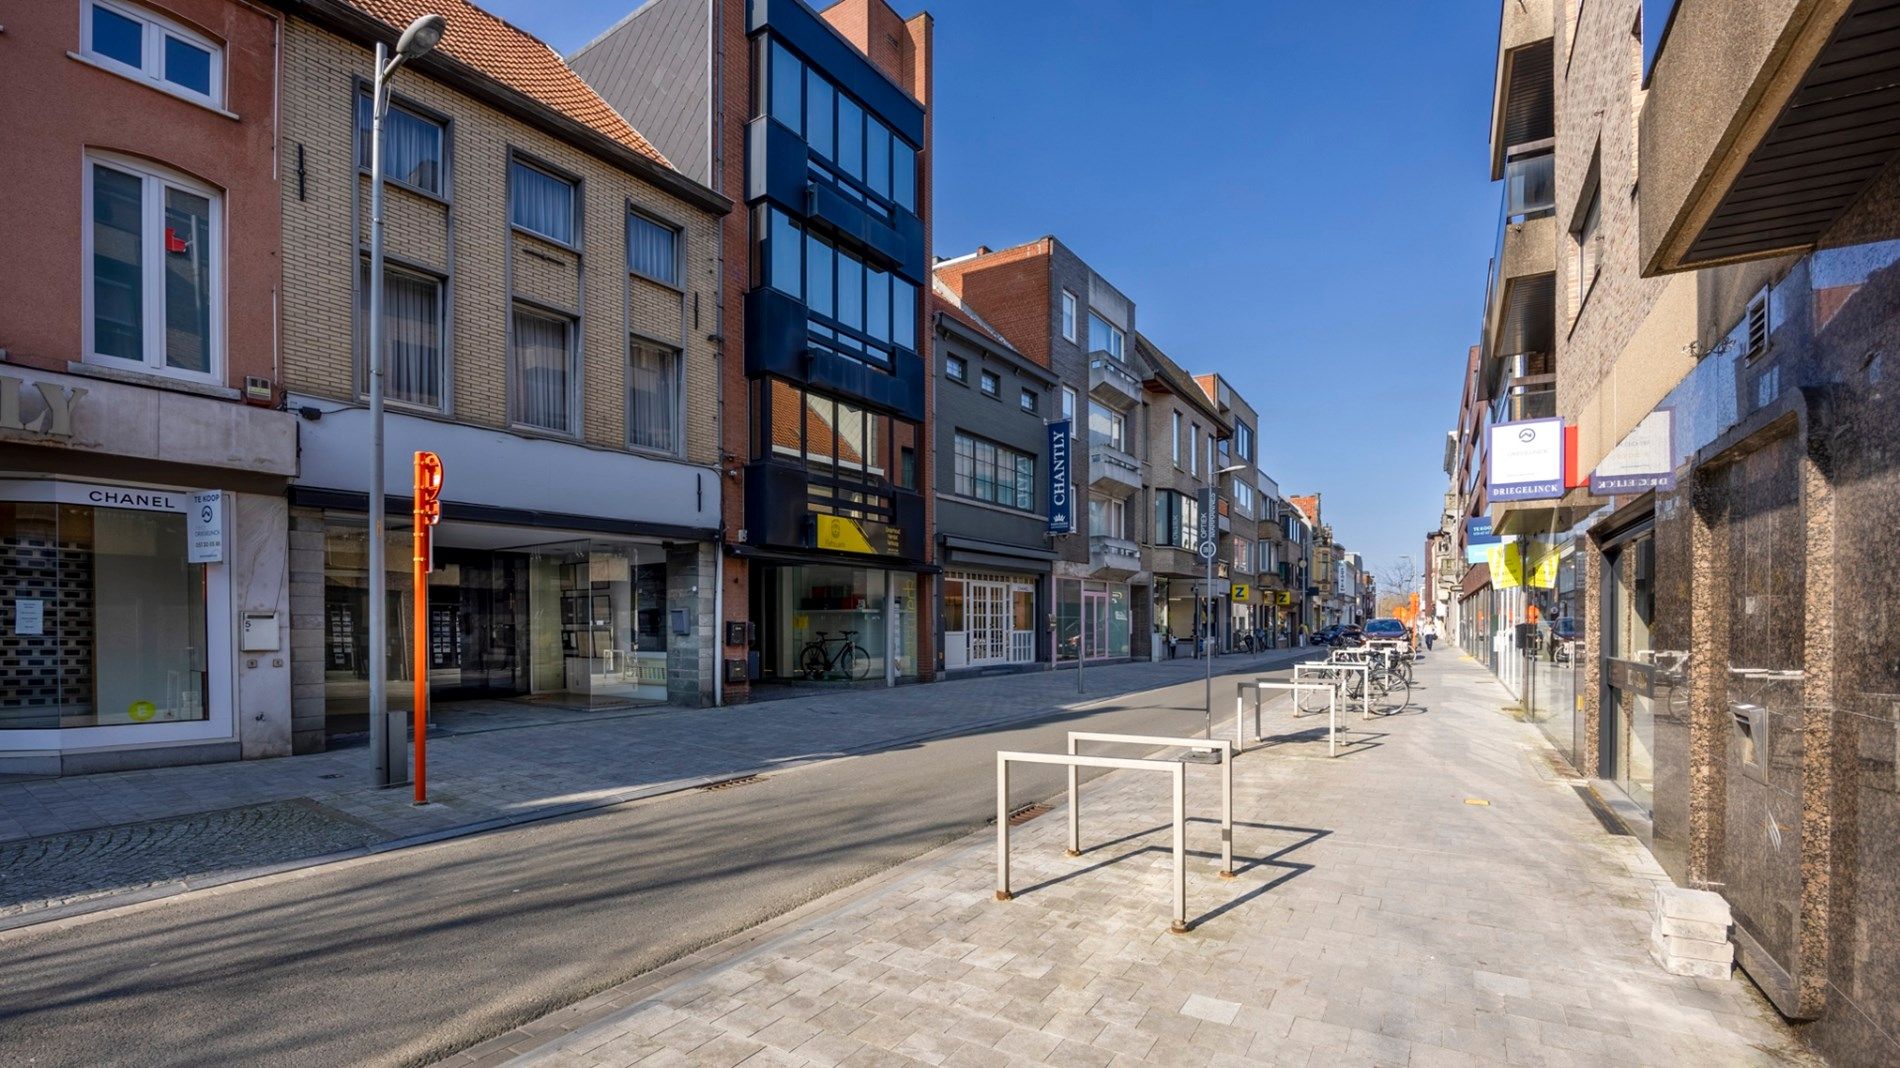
(1002,828)
(1207,616)
(1180,925)
(384,745)
(1075,809)
(1081,632)
(1227,812)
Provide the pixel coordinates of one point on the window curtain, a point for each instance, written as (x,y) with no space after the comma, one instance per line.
(412,337)
(655,401)
(541,203)
(652,250)
(412,146)
(541,371)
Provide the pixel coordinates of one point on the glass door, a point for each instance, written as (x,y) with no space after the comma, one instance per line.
(1629,665)
(1095,623)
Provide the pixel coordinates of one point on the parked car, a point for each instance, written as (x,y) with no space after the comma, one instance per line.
(1388,630)
(1565,633)
(1328,634)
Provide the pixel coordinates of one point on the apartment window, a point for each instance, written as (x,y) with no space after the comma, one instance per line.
(1243,554)
(1586,242)
(1174,438)
(856,310)
(1104,336)
(541,202)
(1068,316)
(412,146)
(1108,517)
(653,249)
(1243,496)
(415,363)
(653,396)
(986,471)
(1068,410)
(154,270)
(543,351)
(957,368)
(1030,401)
(1177,519)
(990,384)
(1194,448)
(141,44)
(1107,426)
(851,149)
(1243,441)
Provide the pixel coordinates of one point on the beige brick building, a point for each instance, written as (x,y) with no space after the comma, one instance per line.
(551,311)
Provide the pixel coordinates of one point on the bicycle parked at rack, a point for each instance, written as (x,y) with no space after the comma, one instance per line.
(848,660)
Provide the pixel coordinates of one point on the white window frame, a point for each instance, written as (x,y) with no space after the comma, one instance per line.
(152,276)
(1118,338)
(990,384)
(1068,410)
(1175,443)
(1115,512)
(155,28)
(1069,306)
(516,159)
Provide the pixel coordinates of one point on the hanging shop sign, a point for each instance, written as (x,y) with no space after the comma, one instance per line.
(1527,460)
(1061,498)
(1644,460)
(1242,593)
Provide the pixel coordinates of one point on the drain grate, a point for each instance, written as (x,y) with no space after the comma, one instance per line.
(1602,811)
(1023,815)
(743,780)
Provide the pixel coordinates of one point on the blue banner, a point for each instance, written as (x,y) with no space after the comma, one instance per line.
(1478,532)
(1061,492)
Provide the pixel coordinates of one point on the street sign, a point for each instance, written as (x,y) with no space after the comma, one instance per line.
(1206,550)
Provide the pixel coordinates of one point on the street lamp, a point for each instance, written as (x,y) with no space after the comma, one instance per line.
(386,743)
(1212,525)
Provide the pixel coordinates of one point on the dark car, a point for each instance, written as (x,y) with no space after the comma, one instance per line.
(1388,630)
(1568,629)
(1327,635)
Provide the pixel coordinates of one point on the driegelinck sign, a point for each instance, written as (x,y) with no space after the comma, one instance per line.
(1643,460)
(1527,460)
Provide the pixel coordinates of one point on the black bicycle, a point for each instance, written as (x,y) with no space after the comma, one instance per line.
(823,656)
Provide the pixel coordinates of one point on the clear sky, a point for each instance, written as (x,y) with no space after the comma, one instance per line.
(1294,194)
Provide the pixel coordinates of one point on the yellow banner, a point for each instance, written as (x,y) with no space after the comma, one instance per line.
(1543,573)
(842,534)
(1507,566)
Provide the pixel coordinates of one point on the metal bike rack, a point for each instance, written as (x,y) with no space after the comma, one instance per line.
(1338,668)
(1221,747)
(1259,686)
(1175,769)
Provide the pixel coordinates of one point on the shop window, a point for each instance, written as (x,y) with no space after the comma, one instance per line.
(154,270)
(104,618)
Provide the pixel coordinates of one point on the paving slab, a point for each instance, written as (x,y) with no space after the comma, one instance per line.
(1377,919)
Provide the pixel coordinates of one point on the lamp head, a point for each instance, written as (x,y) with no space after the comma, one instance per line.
(422,35)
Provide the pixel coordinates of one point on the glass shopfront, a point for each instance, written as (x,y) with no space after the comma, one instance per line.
(835,623)
(1630,666)
(988,620)
(582,622)
(104,622)
(1093,616)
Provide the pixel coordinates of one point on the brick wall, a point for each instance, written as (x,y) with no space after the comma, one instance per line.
(1013,291)
(468,240)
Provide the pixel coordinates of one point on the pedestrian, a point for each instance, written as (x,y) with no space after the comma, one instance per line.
(1431,633)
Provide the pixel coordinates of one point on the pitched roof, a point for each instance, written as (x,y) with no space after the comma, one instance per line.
(516,59)
(954,307)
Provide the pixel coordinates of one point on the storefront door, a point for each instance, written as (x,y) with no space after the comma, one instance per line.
(1629,665)
(1095,623)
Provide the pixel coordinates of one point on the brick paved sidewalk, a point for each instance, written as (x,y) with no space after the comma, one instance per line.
(1378,918)
(70,845)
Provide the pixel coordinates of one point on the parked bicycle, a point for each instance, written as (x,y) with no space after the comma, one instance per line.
(847,660)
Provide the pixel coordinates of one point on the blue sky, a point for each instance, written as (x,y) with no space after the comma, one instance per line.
(1294,194)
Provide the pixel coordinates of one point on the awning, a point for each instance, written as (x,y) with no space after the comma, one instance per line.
(1477,578)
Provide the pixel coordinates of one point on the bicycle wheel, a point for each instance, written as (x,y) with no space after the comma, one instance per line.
(855,663)
(1400,692)
(812,663)
(1312,701)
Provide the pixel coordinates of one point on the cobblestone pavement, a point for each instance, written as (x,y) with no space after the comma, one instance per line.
(1433,896)
(65,869)
(574,761)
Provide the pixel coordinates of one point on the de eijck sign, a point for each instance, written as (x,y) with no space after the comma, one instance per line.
(1061,494)
(1527,460)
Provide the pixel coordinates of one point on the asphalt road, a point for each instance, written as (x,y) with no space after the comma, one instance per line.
(430,950)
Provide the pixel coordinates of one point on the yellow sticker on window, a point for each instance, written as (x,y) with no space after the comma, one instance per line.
(140,711)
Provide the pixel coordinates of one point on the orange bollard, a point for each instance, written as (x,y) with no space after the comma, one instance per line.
(428,510)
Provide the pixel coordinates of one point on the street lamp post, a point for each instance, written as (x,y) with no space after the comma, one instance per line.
(1210,523)
(387,743)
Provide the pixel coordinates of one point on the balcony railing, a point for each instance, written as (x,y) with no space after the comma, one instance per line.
(1111,383)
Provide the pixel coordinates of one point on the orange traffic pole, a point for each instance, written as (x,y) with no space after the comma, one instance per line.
(421,641)
(428,509)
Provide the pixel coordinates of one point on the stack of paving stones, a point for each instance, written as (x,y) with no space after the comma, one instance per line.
(1690,936)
